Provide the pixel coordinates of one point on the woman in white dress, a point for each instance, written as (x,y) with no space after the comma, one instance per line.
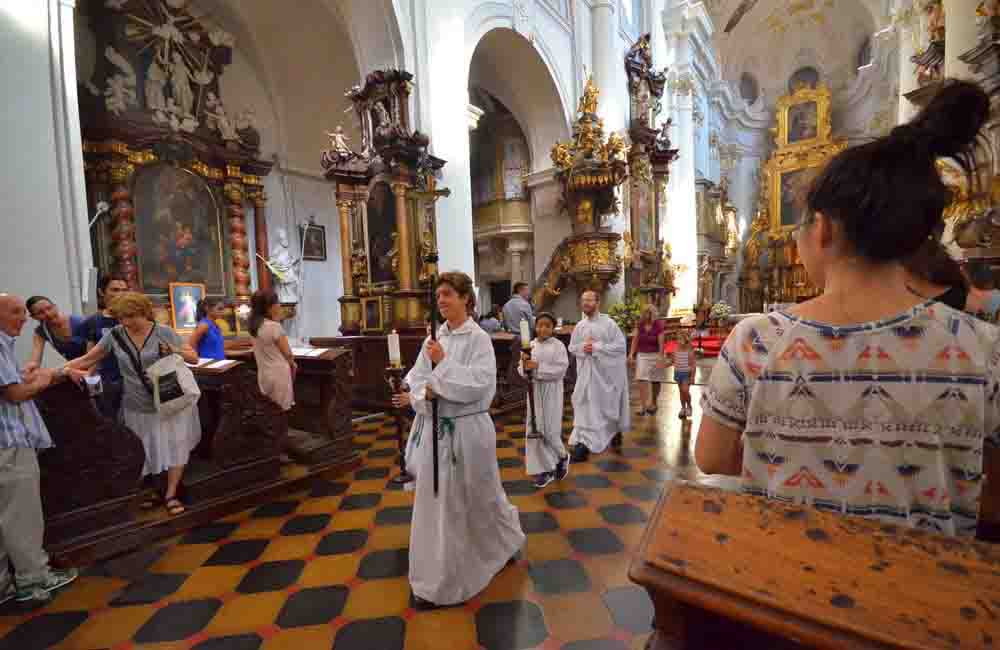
(466,533)
(545,454)
(167,439)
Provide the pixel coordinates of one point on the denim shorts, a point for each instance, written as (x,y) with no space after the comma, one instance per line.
(682,376)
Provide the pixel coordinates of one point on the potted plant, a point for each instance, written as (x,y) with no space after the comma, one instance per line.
(626,313)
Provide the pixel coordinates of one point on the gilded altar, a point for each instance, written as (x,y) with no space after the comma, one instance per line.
(772,270)
(386,194)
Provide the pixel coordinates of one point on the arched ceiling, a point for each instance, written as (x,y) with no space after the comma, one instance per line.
(771,39)
(506,65)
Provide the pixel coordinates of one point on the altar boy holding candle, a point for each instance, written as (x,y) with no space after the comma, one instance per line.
(547,459)
(466,533)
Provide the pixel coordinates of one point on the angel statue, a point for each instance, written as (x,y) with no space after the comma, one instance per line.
(120,93)
(338,144)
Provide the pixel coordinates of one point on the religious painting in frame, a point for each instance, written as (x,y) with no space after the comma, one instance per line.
(178,231)
(313,238)
(371,314)
(803,117)
(381,231)
(184,299)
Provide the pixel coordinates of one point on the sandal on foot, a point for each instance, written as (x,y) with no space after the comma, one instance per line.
(152,501)
(175,507)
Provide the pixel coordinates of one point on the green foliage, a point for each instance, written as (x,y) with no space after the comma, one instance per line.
(626,313)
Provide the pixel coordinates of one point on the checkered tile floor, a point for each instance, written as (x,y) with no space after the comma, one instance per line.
(327,568)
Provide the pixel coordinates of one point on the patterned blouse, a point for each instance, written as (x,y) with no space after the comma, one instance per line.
(884,420)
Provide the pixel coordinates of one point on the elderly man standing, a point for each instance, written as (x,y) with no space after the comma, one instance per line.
(600,398)
(518,308)
(22,432)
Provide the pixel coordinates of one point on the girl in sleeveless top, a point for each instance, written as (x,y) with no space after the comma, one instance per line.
(207,339)
(59,330)
(683,360)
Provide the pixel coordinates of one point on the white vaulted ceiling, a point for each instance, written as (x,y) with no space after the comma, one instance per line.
(772,39)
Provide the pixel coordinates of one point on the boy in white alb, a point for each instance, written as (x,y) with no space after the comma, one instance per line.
(547,459)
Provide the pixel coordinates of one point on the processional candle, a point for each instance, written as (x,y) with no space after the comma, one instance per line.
(395,358)
(525,334)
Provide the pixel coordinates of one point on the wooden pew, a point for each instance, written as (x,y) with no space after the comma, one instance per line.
(726,570)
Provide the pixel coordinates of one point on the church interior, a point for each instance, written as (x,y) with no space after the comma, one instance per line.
(340,155)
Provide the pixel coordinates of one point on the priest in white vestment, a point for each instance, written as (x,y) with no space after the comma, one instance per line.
(467,533)
(546,457)
(600,398)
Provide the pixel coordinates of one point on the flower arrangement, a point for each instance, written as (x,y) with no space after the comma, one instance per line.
(720,311)
(626,313)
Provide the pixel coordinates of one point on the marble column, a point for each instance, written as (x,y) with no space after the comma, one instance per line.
(517,248)
(606,62)
(259,200)
(961,35)
(344,207)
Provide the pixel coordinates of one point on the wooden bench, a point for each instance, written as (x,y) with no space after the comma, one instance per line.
(789,575)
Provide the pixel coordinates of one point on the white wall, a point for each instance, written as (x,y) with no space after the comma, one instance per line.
(40,173)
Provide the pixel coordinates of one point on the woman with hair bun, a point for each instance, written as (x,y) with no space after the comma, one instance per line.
(869,399)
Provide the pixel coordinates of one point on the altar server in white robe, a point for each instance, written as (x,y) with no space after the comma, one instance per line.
(467,533)
(545,454)
(600,398)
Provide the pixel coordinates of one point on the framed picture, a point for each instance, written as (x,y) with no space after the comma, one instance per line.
(791,188)
(804,117)
(313,238)
(241,316)
(802,122)
(371,314)
(184,299)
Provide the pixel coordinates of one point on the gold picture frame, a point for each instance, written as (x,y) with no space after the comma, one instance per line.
(803,118)
(372,314)
(184,299)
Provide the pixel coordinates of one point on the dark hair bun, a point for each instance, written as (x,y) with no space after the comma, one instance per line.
(949,124)
(888,194)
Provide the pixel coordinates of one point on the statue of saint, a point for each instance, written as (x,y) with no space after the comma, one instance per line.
(283,266)
(338,144)
(588,102)
(180,84)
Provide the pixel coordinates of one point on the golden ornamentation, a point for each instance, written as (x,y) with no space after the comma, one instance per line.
(584,212)
(588,102)
(615,148)
(233,192)
(234,172)
(627,248)
(562,156)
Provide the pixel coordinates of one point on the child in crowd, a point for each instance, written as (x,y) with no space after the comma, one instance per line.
(546,456)
(683,360)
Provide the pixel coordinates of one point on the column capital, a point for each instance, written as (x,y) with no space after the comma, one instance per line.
(399,188)
(600,4)
(344,203)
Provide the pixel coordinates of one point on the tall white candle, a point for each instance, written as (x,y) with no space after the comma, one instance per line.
(395,358)
(525,334)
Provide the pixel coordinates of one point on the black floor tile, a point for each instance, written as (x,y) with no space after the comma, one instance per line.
(519,488)
(621,514)
(237,552)
(271,576)
(360,501)
(630,608)
(370,473)
(537,522)
(372,634)
(393,487)
(393,563)
(305,524)
(149,589)
(396,515)
(559,576)
(633,452)
(591,481)
(595,541)
(237,642)
(520,450)
(642,492)
(613,466)
(646,442)
(516,435)
(211,534)
(508,462)
(383,452)
(323,488)
(42,631)
(342,541)
(512,625)
(276,509)
(131,566)
(316,606)
(178,621)
(565,500)
(505,444)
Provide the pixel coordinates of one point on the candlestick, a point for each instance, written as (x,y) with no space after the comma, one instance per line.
(395,358)
(394,377)
(525,334)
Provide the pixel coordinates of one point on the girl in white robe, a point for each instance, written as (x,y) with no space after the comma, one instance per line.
(464,535)
(545,454)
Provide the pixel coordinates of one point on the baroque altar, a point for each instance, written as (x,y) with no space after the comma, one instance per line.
(176,166)
(385,197)
(772,269)
(648,268)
